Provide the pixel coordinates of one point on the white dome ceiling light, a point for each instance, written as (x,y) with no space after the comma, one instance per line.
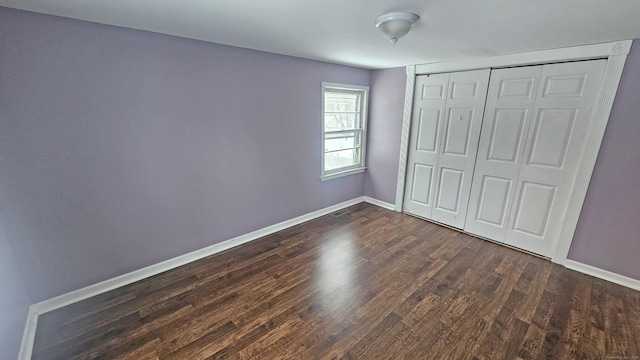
(396,24)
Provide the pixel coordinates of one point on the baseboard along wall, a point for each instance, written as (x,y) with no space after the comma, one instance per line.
(379,203)
(603,274)
(63,300)
(69,298)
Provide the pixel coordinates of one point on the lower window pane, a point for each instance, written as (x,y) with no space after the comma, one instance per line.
(339,142)
(341,159)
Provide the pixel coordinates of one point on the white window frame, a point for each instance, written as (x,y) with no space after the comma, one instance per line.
(364,103)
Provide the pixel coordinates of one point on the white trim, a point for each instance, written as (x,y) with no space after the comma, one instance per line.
(379,203)
(615,53)
(602,110)
(29,335)
(26,347)
(404,141)
(346,87)
(573,53)
(69,298)
(603,274)
(122,280)
(343,173)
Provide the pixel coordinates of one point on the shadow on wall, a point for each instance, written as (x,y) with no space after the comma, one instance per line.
(384,133)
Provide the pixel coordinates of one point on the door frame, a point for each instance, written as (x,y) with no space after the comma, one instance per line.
(616,55)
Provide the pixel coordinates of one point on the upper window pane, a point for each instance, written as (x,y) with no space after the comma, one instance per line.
(340,121)
(341,110)
(341,101)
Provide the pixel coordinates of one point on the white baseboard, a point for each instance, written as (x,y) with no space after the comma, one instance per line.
(380,203)
(35,310)
(29,335)
(57,302)
(603,274)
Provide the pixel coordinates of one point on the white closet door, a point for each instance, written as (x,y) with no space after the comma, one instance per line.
(460,134)
(428,110)
(556,137)
(510,102)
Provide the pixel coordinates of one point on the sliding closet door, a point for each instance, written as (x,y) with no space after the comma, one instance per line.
(510,102)
(429,103)
(445,127)
(460,133)
(530,148)
(554,144)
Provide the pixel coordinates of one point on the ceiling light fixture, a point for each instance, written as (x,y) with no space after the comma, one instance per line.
(396,24)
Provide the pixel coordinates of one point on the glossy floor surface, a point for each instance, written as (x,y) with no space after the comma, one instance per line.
(370,284)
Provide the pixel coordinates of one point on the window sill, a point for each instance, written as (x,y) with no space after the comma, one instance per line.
(342,173)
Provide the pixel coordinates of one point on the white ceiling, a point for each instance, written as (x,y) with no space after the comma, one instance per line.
(342,31)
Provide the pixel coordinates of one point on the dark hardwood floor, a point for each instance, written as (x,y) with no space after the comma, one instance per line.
(370,284)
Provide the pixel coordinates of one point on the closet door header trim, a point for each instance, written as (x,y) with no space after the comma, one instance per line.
(575,53)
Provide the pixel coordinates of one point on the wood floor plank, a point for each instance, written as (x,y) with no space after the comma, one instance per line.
(504,329)
(368,284)
(533,289)
(534,340)
(148,351)
(616,333)
(632,311)
(593,345)
(370,345)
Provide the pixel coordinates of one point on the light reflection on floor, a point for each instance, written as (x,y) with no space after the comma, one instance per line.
(336,276)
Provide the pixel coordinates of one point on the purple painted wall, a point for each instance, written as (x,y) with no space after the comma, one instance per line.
(608,233)
(14,301)
(384,133)
(122,148)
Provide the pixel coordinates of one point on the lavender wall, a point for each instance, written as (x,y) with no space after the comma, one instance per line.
(608,233)
(384,133)
(122,148)
(14,300)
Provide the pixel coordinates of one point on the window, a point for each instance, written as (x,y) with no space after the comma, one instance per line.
(344,118)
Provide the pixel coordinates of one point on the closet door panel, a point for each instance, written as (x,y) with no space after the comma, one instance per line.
(460,135)
(505,139)
(554,144)
(426,125)
(494,197)
(450,181)
(510,102)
